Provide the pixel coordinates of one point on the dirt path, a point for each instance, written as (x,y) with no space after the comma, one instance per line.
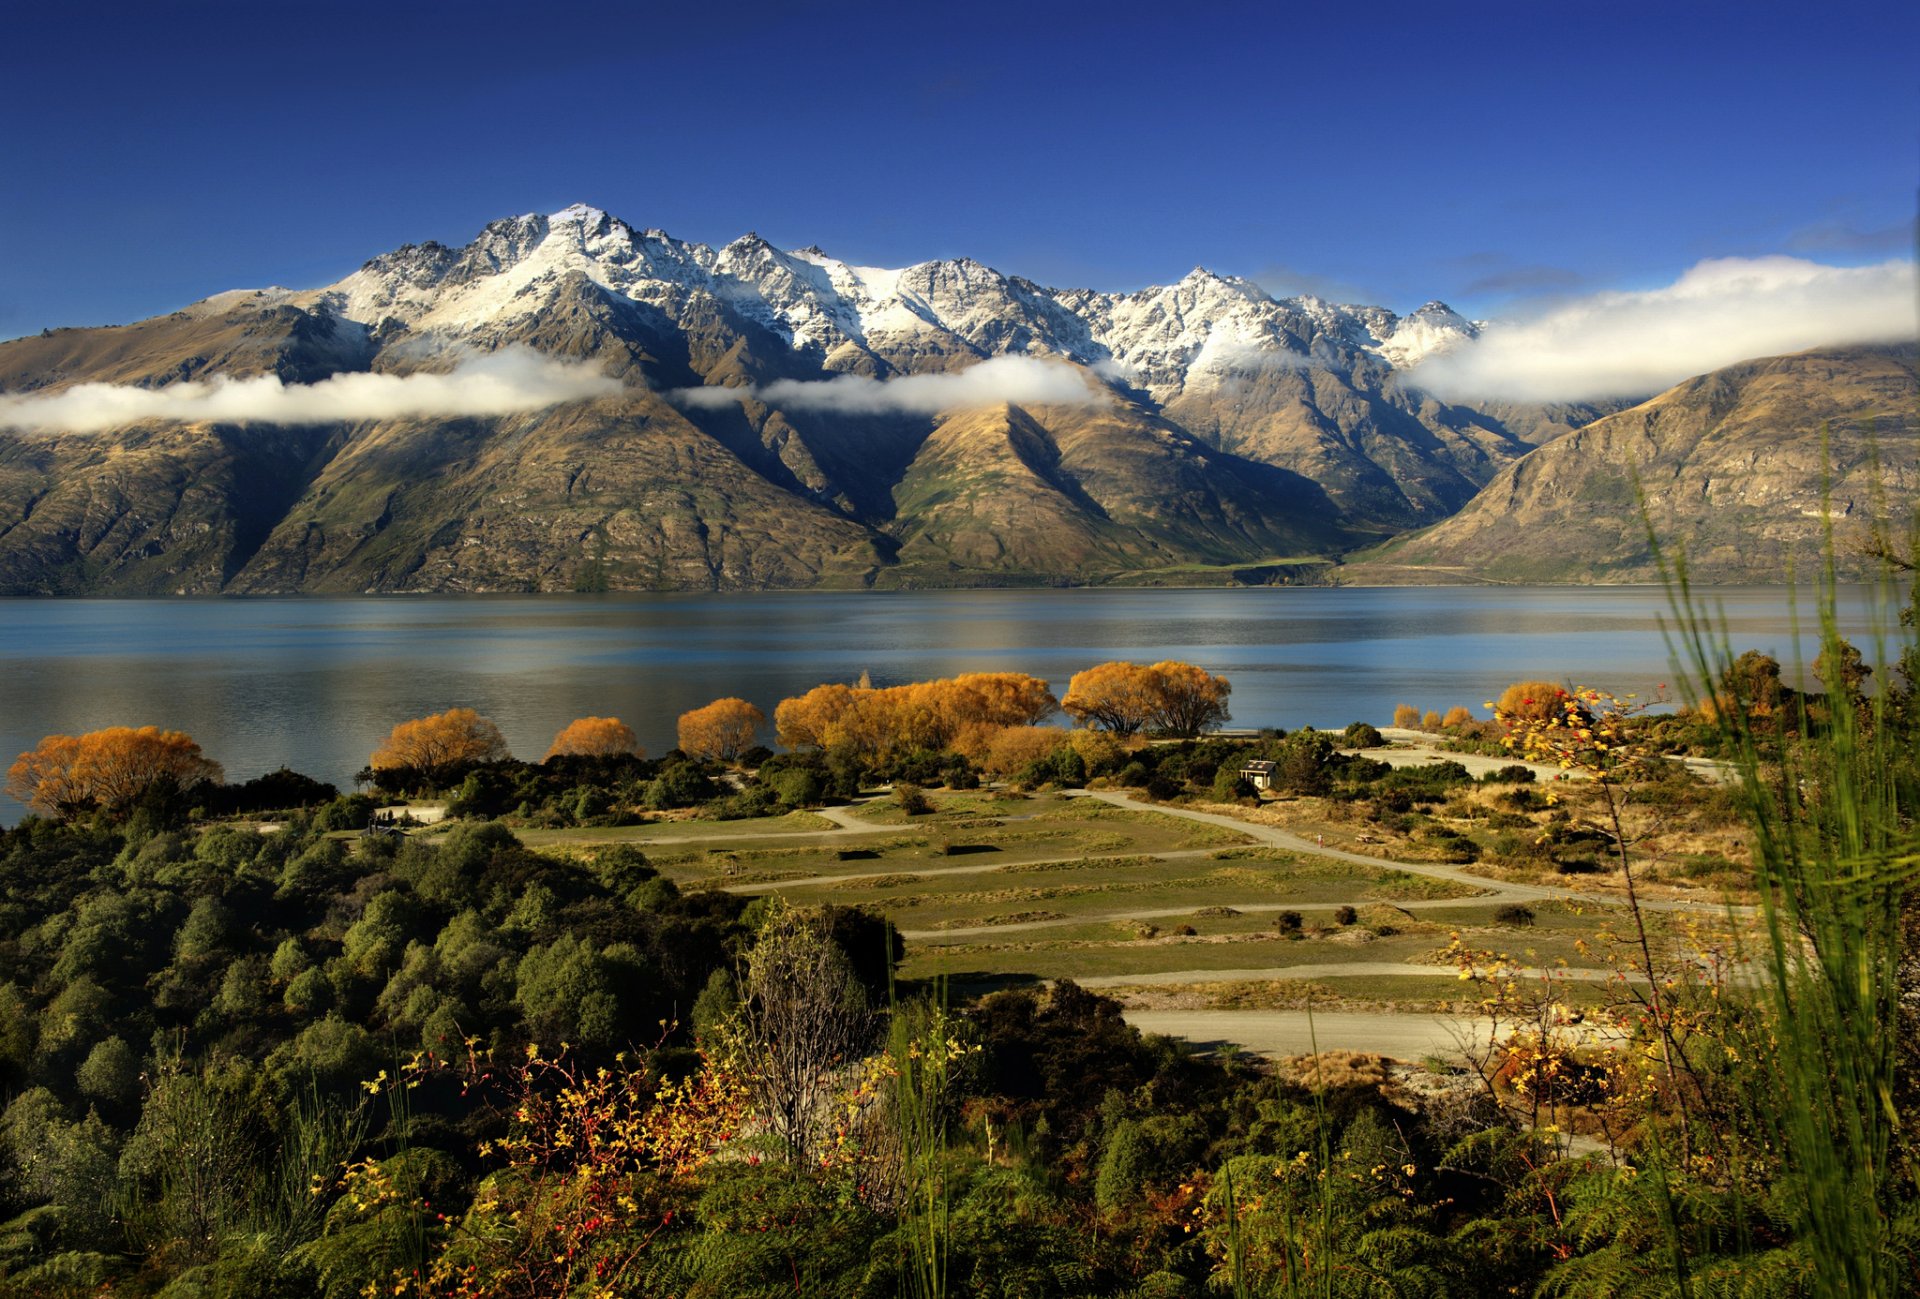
(1402,1035)
(1278,838)
(847,821)
(1324,970)
(1421,750)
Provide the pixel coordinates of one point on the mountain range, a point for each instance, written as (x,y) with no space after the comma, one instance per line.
(754,418)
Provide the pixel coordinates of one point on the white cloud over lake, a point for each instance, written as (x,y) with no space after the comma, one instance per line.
(496,383)
(1628,344)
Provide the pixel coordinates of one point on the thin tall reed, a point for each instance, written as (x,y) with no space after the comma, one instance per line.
(1834,848)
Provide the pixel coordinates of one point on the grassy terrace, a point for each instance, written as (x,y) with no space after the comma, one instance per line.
(994,888)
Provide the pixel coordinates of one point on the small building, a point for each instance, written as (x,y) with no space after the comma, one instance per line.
(1259,773)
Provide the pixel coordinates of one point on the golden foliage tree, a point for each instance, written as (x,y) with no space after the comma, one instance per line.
(1015,748)
(434,746)
(961,712)
(722,731)
(595,737)
(1126,698)
(66,775)
(1187,699)
(813,720)
(1117,697)
(1458,715)
(1530,700)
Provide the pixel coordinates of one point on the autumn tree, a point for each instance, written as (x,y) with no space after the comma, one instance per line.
(723,730)
(998,699)
(1187,699)
(1015,748)
(1117,697)
(435,746)
(961,712)
(1171,697)
(67,775)
(595,737)
(813,720)
(1530,700)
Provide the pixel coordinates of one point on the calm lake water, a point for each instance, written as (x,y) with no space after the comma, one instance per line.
(316,683)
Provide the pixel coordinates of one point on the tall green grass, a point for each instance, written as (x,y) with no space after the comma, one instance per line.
(924,1048)
(1827,795)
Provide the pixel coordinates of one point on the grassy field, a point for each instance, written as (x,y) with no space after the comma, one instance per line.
(993,889)
(664,832)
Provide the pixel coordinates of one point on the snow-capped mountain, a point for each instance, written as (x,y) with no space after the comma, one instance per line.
(1165,340)
(732,431)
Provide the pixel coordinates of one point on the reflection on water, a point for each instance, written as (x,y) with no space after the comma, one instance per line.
(315,683)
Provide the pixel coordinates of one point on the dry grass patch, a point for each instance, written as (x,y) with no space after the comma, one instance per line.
(1337,1070)
(1006,918)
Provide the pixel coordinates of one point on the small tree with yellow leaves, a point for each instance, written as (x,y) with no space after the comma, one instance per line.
(1591,733)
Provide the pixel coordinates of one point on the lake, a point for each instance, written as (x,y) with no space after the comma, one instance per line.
(316,683)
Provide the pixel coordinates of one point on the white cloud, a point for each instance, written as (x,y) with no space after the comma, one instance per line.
(497,383)
(1020,379)
(1725,310)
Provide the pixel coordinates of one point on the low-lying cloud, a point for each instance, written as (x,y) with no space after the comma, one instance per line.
(1023,380)
(496,383)
(1622,344)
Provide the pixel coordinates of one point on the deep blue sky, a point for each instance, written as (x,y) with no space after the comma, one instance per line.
(158,152)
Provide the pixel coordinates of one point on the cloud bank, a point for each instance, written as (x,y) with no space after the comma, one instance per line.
(497,383)
(1635,344)
(1019,379)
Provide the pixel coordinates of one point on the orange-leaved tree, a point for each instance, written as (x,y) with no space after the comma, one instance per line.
(66,775)
(931,715)
(1126,698)
(815,719)
(1530,700)
(721,731)
(434,746)
(595,737)
(1015,748)
(1187,699)
(1593,732)
(1117,697)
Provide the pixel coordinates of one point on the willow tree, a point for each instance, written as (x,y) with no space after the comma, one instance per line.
(112,769)
(721,731)
(595,737)
(435,746)
(1170,697)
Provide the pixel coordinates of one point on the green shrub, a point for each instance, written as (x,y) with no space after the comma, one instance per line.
(1362,735)
(799,787)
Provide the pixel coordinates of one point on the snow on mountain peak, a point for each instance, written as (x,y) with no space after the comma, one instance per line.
(577,214)
(1199,331)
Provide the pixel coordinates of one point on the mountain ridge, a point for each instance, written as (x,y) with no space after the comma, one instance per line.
(761,435)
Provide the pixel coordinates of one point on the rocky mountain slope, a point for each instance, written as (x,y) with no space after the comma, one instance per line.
(1733,464)
(772,419)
